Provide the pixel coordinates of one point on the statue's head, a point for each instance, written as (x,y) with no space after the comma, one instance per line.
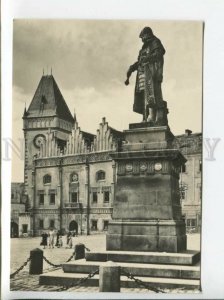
(145,34)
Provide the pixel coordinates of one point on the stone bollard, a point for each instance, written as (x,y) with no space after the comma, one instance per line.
(36,262)
(79,251)
(109,277)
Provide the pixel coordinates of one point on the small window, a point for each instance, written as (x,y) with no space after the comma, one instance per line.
(106,197)
(105,225)
(47,179)
(52,224)
(25,228)
(94,225)
(182,194)
(100,175)
(95,197)
(41,199)
(52,199)
(12,196)
(200,192)
(74,197)
(183,169)
(191,222)
(200,166)
(183,190)
(41,224)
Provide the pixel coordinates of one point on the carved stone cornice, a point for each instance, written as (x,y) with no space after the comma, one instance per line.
(73,159)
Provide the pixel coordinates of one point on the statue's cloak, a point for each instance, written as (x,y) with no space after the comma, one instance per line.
(152,52)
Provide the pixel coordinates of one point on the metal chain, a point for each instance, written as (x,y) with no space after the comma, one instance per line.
(57,266)
(81,281)
(70,258)
(140,282)
(20,268)
(50,263)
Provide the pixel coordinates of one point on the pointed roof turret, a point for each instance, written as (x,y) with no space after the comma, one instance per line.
(48,101)
(25,112)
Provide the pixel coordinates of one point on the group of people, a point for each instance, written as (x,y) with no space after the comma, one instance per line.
(53,238)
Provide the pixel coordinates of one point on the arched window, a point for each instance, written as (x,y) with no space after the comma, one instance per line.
(47,179)
(100,175)
(74,177)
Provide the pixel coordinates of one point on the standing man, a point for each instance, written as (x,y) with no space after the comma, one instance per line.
(51,238)
(149,66)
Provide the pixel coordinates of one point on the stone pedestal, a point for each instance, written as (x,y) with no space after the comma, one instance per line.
(146,210)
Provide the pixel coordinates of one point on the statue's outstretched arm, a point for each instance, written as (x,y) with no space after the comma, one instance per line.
(131,69)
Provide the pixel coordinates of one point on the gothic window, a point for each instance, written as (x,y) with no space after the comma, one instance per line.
(52,199)
(100,175)
(94,225)
(95,197)
(41,224)
(74,197)
(106,197)
(24,228)
(52,224)
(74,177)
(47,179)
(41,199)
(105,225)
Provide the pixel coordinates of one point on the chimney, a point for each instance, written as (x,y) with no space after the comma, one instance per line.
(188,132)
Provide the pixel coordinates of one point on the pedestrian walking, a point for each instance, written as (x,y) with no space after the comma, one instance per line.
(57,239)
(44,236)
(70,242)
(69,239)
(60,241)
(51,238)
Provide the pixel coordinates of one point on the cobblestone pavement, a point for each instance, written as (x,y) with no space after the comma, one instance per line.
(25,282)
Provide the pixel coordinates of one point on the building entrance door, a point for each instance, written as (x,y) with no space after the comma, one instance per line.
(14,230)
(73,226)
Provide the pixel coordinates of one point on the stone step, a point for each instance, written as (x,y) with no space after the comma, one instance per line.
(59,278)
(149,270)
(188,257)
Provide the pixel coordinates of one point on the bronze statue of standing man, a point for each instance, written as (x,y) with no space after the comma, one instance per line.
(148,99)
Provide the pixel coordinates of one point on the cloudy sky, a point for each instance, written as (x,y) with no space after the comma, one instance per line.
(89,60)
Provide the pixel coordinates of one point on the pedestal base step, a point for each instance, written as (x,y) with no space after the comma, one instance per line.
(146,270)
(60,278)
(188,257)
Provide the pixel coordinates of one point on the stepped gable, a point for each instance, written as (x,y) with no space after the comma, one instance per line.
(79,141)
(48,101)
(107,138)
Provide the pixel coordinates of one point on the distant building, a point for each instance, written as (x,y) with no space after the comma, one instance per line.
(191,178)
(69,176)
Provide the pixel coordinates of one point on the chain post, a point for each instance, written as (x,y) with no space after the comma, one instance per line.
(36,262)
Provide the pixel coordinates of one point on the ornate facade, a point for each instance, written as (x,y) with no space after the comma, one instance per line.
(69,175)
